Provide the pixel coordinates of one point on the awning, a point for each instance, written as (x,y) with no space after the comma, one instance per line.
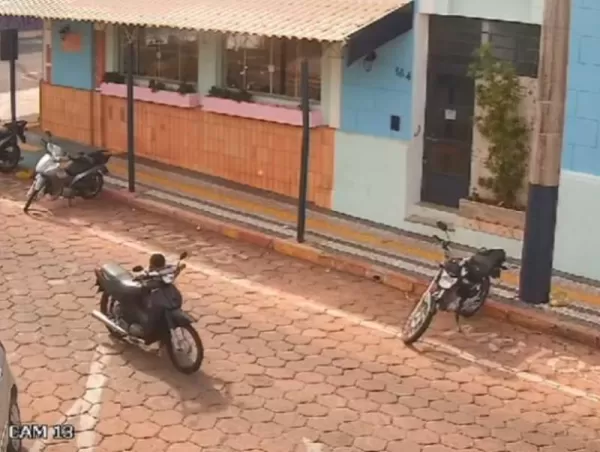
(322,20)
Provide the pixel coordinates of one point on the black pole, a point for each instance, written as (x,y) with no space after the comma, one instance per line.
(301,227)
(535,280)
(130,116)
(13,90)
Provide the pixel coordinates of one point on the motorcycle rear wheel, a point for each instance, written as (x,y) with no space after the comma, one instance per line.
(197,343)
(92,186)
(415,327)
(12,158)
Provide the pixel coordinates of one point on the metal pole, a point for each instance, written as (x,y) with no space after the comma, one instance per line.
(13,78)
(301,226)
(545,160)
(130,115)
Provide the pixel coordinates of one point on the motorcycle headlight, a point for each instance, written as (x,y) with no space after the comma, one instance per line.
(168,278)
(446,281)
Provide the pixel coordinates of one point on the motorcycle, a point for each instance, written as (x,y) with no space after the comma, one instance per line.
(10,152)
(461,285)
(59,174)
(127,299)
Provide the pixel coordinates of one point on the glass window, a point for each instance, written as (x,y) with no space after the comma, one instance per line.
(517,43)
(163,54)
(271,66)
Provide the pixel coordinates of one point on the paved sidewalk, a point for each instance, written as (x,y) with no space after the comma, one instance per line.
(411,255)
(298,358)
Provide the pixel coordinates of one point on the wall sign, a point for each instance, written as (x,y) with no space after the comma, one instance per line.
(401,73)
(450,115)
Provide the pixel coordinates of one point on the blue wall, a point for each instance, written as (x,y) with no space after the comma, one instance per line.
(369,98)
(581,148)
(73,69)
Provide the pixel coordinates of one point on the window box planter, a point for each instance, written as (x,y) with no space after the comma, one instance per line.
(262,112)
(147,95)
(492,219)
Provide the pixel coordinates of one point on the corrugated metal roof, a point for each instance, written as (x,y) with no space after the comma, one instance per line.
(323,20)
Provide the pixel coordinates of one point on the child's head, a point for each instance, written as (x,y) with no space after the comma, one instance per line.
(157,261)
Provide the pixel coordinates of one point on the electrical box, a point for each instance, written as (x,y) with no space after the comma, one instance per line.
(9,45)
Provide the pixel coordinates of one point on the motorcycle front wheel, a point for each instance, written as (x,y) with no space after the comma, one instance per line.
(31,195)
(179,350)
(419,318)
(91,186)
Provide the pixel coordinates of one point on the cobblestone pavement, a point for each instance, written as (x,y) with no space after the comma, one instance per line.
(297,358)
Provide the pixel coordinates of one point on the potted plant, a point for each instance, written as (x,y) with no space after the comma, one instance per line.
(242,103)
(499,95)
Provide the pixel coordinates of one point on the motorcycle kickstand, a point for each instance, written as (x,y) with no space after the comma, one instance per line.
(457,319)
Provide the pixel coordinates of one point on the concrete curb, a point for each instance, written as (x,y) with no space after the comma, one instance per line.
(545,322)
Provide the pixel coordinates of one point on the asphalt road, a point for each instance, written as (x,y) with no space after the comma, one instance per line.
(298,358)
(29,65)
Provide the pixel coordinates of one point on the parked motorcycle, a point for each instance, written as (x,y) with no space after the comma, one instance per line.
(461,285)
(128,299)
(10,152)
(59,174)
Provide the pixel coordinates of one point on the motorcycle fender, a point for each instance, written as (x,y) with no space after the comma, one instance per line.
(177,317)
(81,176)
(98,283)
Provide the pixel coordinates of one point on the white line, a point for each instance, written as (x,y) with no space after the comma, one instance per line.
(312,447)
(313,306)
(90,403)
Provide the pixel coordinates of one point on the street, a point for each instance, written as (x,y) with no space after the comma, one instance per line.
(298,359)
(29,72)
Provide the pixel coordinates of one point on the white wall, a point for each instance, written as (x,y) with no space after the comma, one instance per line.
(370,178)
(578,225)
(526,11)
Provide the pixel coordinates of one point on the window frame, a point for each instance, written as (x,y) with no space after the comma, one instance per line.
(268,98)
(144,80)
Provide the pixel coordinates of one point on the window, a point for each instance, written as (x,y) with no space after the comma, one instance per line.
(162,54)
(271,66)
(518,43)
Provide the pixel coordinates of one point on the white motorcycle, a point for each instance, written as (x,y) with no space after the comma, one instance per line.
(59,174)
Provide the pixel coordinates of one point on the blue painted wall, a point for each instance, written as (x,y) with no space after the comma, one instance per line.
(581,148)
(369,98)
(73,69)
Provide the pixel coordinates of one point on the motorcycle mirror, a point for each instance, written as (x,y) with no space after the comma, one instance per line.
(183,255)
(442,226)
(137,268)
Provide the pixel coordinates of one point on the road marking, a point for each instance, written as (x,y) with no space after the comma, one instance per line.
(89,404)
(312,447)
(307,304)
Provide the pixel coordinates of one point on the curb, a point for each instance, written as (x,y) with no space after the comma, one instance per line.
(544,322)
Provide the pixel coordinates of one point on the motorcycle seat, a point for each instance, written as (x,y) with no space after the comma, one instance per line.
(119,282)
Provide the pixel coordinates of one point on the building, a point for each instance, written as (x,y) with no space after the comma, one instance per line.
(391,101)
(577,242)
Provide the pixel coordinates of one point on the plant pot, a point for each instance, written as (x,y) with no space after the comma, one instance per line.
(145,94)
(262,112)
(514,219)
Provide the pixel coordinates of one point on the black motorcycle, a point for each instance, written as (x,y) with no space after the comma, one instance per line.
(59,173)
(10,152)
(127,301)
(461,285)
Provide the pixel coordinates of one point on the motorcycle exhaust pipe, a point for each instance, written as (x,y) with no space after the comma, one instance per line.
(109,323)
